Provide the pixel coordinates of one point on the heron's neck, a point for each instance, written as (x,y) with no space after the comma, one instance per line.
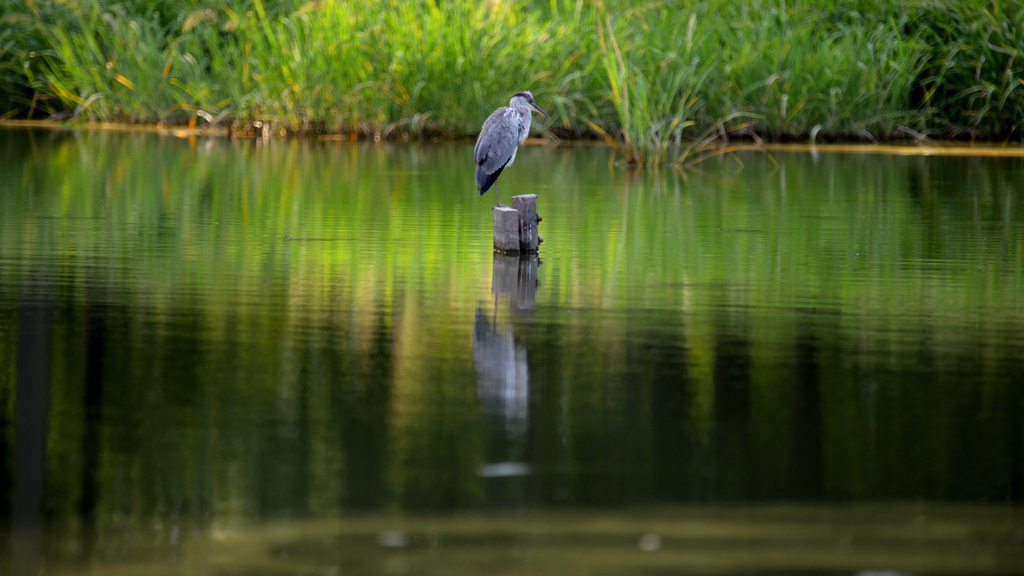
(524,112)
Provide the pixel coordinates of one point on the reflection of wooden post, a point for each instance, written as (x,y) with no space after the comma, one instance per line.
(516,277)
(504,275)
(526,205)
(506,229)
(526,289)
(515,227)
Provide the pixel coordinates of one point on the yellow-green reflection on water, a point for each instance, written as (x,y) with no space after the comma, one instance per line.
(776,539)
(208,345)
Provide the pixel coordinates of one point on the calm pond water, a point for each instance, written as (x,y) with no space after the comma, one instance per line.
(224,357)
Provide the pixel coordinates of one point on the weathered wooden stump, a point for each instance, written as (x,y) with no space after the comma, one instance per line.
(506,229)
(515,227)
(526,205)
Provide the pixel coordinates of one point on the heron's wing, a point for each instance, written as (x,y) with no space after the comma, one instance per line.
(485,179)
(497,141)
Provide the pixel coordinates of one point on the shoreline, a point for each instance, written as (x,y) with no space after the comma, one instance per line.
(935,148)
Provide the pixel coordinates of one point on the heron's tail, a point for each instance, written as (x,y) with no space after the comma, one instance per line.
(484,181)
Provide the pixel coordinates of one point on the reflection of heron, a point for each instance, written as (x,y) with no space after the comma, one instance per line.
(499,139)
(502,373)
(500,361)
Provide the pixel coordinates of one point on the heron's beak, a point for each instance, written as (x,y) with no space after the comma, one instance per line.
(537,108)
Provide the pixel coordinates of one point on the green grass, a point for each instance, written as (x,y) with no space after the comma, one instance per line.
(971,82)
(794,71)
(652,77)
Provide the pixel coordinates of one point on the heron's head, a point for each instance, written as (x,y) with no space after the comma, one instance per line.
(525,99)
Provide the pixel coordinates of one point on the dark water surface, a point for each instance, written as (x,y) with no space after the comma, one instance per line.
(293,357)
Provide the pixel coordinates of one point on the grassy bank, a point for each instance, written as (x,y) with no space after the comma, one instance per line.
(646,74)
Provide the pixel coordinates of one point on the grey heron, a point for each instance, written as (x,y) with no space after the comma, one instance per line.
(499,139)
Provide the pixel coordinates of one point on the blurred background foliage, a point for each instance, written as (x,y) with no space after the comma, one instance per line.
(643,73)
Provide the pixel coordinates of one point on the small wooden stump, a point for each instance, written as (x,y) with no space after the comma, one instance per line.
(526,205)
(506,229)
(515,227)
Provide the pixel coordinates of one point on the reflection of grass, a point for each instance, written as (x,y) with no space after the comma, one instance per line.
(362,343)
(642,74)
(838,538)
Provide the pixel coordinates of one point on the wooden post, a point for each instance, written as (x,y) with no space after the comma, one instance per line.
(526,205)
(515,227)
(506,229)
